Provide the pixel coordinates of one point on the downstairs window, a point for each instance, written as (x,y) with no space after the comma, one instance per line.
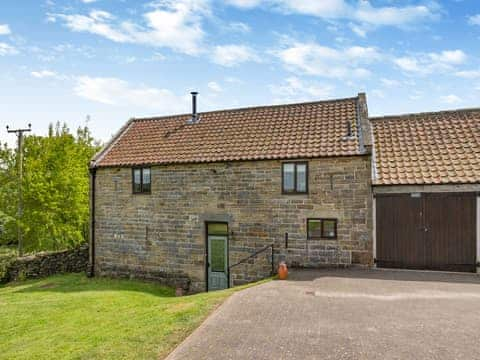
(321,229)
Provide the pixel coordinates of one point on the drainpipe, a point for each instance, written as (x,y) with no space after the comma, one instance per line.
(91,270)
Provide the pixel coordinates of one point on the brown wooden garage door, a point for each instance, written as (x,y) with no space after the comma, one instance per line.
(426,231)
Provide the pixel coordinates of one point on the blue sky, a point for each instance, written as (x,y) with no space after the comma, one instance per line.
(114,59)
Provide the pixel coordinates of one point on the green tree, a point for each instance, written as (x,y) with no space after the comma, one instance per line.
(55,187)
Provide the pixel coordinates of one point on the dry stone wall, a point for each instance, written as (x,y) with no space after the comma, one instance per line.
(46,264)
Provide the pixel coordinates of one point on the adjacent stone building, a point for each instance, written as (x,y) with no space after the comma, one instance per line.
(182,199)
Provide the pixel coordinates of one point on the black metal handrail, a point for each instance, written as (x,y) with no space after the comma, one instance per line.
(255,254)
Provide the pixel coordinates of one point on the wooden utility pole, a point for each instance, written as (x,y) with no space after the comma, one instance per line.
(19,133)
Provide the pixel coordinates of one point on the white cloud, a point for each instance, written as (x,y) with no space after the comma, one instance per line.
(4,29)
(178,26)
(231,55)
(214,86)
(239,27)
(468,74)
(6,49)
(234,80)
(157,57)
(295,90)
(432,62)
(331,9)
(393,16)
(359,30)
(409,64)
(449,57)
(474,20)
(97,22)
(315,59)
(45,74)
(451,99)
(360,11)
(389,82)
(244,4)
(117,92)
(173,24)
(362,53)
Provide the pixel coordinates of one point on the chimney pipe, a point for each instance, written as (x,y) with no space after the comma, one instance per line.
(194,107)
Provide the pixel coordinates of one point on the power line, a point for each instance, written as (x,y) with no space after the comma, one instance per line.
(19,133)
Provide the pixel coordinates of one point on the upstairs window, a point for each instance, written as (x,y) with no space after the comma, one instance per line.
(142,181)
(295,178)
(322,228)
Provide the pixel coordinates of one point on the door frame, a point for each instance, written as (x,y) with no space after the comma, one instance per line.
(206,252)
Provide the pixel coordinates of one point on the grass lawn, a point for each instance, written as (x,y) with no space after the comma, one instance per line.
(74,317)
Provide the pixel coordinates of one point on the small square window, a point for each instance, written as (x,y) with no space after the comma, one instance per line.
(295,178)
(141,180)
(322,228)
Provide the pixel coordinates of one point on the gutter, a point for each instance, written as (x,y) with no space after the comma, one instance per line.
(93,174)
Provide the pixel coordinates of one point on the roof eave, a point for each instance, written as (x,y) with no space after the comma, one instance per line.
(189,162)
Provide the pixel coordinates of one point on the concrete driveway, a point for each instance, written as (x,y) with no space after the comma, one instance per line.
(345,314)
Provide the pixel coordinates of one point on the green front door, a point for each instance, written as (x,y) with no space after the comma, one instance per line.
(217,256)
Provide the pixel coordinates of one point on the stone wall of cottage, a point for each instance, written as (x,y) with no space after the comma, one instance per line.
(162,235)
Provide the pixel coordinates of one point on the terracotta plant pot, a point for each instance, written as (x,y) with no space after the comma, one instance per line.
(282,271)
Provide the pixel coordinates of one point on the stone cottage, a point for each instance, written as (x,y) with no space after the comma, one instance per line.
(207,200)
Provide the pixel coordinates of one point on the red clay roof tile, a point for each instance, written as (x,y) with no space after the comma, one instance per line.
(427,148)
(303,130)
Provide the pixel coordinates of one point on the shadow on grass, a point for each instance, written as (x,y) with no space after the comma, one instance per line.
(384,274)
(69,283)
